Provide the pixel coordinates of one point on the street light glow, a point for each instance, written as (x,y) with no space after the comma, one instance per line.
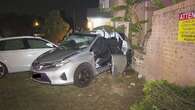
(36,23)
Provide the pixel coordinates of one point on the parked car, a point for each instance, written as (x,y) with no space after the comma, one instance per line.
(18,53)
(78,59)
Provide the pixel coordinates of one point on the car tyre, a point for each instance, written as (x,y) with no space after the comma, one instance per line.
(3,70)
(83,75)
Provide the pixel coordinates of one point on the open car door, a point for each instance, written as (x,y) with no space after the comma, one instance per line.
(119,63)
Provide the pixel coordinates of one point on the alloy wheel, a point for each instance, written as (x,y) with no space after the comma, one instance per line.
(84,76)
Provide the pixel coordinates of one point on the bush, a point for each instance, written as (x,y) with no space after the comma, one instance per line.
(160,95)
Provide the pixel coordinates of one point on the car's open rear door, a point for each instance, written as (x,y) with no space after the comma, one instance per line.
(119,63)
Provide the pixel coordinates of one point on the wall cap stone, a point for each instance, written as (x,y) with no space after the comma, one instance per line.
(186,3)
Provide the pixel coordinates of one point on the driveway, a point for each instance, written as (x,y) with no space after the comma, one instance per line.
(19,92)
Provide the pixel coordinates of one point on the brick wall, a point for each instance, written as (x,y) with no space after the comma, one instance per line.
(166,58)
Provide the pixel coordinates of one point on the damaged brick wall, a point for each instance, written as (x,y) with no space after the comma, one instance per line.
(166,58)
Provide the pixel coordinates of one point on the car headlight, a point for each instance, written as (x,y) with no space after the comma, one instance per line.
(50,65)
(61,63)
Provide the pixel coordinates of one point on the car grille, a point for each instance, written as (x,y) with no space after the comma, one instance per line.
(41,77)
(37,66)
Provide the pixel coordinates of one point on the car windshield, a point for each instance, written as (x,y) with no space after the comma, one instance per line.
(77,42)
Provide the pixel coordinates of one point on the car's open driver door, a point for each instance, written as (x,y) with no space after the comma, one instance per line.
(119,63)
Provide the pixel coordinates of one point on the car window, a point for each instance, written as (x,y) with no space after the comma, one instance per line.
(38,43)
(77,42)
(15,44)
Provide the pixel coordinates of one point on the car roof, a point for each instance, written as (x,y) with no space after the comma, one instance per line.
(18,37)
(84,34)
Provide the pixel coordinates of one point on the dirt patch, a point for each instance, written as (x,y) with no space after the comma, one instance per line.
(19,92)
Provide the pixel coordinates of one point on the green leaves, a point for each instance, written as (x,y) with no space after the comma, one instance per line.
(132,2)
(120,29)
(119,18)
(119,8)
(137,27)
(161,95)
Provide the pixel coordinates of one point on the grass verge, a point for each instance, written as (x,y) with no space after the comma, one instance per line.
(19,92)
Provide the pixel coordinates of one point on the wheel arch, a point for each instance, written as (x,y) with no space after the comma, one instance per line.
(75,76)
(85,63)
(4,66)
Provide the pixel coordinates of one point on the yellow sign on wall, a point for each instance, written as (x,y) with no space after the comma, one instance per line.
(187,27)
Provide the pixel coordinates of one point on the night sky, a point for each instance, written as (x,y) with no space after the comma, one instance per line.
(72,9)
(43,6)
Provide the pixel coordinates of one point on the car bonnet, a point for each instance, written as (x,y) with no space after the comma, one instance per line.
(55,55)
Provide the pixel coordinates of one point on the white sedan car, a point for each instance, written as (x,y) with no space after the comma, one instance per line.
(18,53)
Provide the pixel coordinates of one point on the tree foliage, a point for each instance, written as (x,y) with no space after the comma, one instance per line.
(120,29)
(118,18)
(55,28)
(119,8)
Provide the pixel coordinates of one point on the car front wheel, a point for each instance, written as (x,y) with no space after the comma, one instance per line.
(3,70)
(83,75)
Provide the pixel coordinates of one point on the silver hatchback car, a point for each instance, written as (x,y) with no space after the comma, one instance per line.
(78,60)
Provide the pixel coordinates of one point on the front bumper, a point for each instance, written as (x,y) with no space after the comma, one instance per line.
(55,76)
(41,77)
